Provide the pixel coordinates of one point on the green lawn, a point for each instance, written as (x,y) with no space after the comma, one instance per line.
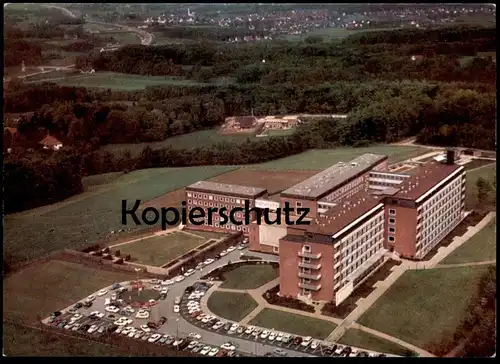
(365,340)
(487,172)
(476,163)
(481,247)
(293,324)
(424,305)
(92,215)
(323,158)
(203,138)
(327,33)
(249,276)
(122,81)
(159,250)
(231,306)
(208,234)
(44,288)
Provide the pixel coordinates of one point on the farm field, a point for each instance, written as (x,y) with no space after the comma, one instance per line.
(93,214)
(488,173)
(122,81)
(365,340)
(231,306)
(249,276)
(159,250)
(274,182)
(412,308)
(481,247)
(197,139)
(318,159)
(40,289)
(293,324)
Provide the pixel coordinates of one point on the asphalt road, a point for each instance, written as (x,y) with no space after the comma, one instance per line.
(176,325)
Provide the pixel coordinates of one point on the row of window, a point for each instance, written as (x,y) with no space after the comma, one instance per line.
(429,239)
(438,197)
(357,263)
(229,207)
(228,226)
(387,176)
(366,227)
(353,187)
(216,198)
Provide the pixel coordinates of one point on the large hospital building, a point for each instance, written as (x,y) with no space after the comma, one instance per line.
(358,213)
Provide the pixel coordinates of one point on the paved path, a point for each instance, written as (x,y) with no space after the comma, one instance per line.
(486,262)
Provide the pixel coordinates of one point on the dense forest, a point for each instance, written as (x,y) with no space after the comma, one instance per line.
(436,99)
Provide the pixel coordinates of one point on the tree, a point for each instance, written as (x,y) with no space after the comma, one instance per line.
(483,189)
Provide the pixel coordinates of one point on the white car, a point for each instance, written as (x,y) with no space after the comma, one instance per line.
(306,341)
(189,272)
(154,338)
(249,330)
(178,342)
(167,282)
(202,317)
(272,336)
(145,328)
(314,344)
(90,298)
(127,330)
(218,325)
(142,314)
(97,314)
(119,329)
(213,352)
(76,317)
(231,249)
(132,333)
(138,334)
(114,297)
(205,350)
(228,346)
(102,292)
(206,319)
(164,291)
(177,308)
(241,247)
(200,265)
(129,309)
(194,335)
(234,327)
(223,253)
(179,278)
(264,334)
(123,321)
(208,261)
(92,329)
(280,336)
(112,309)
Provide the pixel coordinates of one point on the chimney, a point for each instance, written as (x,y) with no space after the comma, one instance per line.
(450,156)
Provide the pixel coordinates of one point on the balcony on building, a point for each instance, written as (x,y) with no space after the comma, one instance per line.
(310,286)
(310,276)
(306,254)
(309,265)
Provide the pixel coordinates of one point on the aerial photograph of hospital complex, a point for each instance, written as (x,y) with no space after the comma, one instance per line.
(334,166)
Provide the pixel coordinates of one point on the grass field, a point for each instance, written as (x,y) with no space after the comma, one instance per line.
(198,139)
(92,215)
(323,158)
(159,250)
(481,247)
(285,132)
(487,172)
(44,288)
(249,276)
(208,234)
(423,306)
(231,306)
(476,163)
(122,81)
(26,341)
(364,340)
(293,324)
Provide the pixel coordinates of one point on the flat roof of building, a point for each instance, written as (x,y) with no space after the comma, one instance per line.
(321,183)
(226,189)
(345,213)
(424,179)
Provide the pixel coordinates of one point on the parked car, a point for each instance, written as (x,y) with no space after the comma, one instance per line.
(197,348)
(205,350)
(306,341)
(280,352)
(213,352)
(297,340)
(115,286)
(189,272)
(272,336)
(178,300)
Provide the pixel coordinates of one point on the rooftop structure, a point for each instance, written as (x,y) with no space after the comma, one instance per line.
(322,183)
(226,189)
(345,213)
(425,178)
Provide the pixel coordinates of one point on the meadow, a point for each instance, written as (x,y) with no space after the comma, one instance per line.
(122,81)
(93,214)
(339,33)
(412,308)
(317,159)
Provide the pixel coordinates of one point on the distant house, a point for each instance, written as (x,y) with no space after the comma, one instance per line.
(417,57)
(241,122)
(280,122)
(49,142)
